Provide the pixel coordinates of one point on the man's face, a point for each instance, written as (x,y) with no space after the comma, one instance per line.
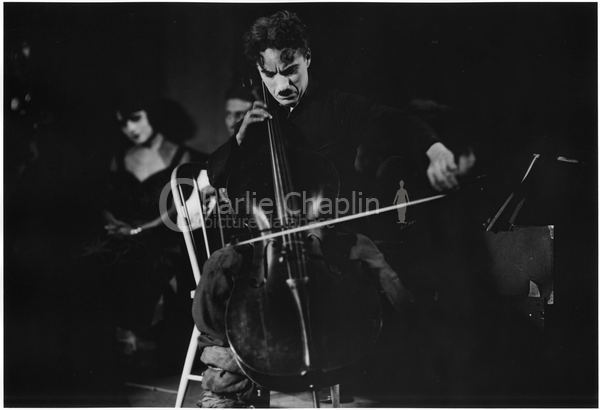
(285,73)
(235,109)
(136,127)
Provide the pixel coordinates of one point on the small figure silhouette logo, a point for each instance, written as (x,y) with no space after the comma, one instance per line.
(401,198)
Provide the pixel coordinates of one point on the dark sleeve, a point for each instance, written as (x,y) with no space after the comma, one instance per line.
(229,156)
(384,131)
(400,133)
(221,162)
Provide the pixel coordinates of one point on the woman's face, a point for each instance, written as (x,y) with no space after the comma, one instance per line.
(136,127)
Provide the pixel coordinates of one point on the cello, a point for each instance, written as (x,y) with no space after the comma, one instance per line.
(298,317)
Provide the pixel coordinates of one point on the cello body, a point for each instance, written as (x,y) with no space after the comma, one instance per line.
(265,333)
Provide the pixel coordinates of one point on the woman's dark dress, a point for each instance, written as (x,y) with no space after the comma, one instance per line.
(142,265)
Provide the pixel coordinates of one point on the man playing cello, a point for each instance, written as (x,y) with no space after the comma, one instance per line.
(331,123)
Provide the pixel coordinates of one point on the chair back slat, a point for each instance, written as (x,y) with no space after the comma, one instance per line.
(187,210)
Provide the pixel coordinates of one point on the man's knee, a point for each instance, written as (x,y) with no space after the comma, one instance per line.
(212,294)
(226,261)
(216,280)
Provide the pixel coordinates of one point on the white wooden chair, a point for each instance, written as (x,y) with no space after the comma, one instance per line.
(190,216)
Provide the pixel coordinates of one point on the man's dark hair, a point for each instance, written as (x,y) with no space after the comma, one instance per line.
(282,30)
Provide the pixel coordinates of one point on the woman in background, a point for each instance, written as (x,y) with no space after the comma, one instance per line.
(145,258)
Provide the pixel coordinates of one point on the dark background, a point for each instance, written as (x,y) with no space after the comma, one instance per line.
(518,78)
(519,70)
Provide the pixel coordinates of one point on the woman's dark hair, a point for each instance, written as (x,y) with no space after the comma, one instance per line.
(166,116)
(282,30)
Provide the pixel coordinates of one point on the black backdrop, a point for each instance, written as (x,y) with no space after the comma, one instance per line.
(518,70)
(520,78)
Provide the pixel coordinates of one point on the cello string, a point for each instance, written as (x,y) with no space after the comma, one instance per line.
(296,259)
(281,180)
(274,165)
(342,219)
(296,240)
(288,186)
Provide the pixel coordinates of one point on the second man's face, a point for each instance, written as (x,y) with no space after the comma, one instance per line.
(285,74)
(235,109)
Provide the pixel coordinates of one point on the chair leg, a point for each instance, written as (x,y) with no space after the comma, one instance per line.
(261,399)
(315,397)
(187,367)
(335,395)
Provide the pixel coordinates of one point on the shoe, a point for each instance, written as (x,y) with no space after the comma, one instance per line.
(127,341)
(211,400)
(130,343)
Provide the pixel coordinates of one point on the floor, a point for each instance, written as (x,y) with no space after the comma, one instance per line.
(162,392)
